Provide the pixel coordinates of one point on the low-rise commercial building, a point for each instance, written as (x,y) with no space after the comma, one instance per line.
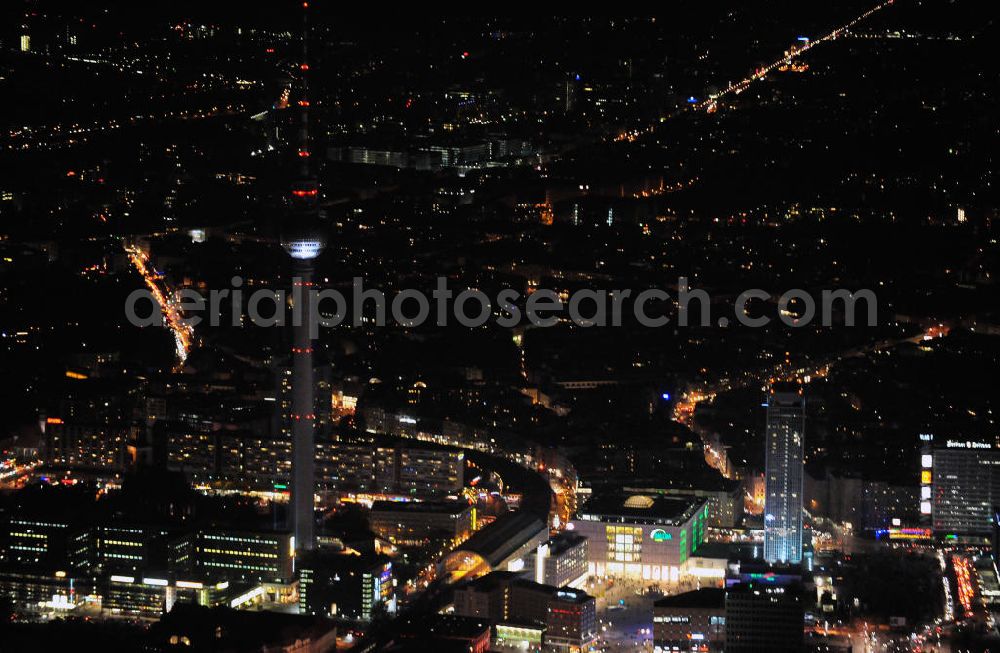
(764,617)
(246,556)
(502,545)
(444,632)
(487,597)
(422,523)
(344,586)
(692,622)
(419,470)
(524,610)
(571,622)
(151,597)
(645,537)
(560,561)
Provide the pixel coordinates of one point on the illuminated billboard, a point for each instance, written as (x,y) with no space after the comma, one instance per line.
(904,533)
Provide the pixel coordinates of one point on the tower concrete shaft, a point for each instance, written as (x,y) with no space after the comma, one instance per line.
(303,411)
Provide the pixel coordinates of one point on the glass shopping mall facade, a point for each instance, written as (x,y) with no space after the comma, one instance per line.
(640,536)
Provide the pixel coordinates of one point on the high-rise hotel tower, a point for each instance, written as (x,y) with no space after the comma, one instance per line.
(783,474)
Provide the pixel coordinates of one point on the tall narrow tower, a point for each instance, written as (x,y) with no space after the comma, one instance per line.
(303,241)
(783,475)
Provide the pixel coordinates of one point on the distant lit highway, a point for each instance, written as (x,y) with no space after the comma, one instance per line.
(710,104)
(58,136)
(736,88)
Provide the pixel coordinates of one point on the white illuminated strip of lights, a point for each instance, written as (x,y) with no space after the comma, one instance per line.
(190,584)
(155,581)
(304,249)
(707,572)
(245,598)
(122,579)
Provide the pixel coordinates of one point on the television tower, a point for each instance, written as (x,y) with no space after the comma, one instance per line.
(303,240)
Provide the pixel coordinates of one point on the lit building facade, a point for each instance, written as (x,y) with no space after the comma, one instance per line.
(487,597)
(50,563)
(764,617)
(420,523)
(640,536)
(236,459)
(29,590)
(783,475)
(344,586)
(419,470)
(252,461)
(692,622)
(90,446)
(246,556)
(91,425)
(121,548)
(960,486)
(38,542)
(571,620)
(345,465)
(562,618)
(526,636)
(560,561)
(192,451)
(151,597)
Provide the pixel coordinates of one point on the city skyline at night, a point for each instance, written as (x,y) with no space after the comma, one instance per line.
(673,333)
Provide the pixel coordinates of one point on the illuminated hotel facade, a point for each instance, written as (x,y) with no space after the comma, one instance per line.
(641,536)
(960,485)
(783,475)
